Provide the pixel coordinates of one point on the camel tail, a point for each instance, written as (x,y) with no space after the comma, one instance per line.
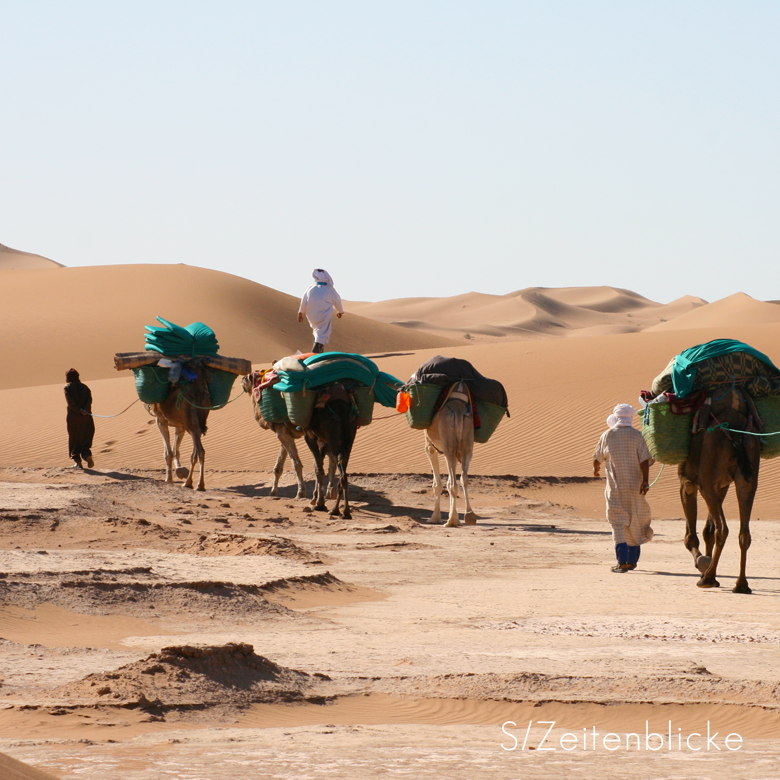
(743,459)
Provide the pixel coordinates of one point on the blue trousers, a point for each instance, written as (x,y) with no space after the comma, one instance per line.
(626,554)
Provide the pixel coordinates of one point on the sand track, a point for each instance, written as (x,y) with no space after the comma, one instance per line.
(168,618)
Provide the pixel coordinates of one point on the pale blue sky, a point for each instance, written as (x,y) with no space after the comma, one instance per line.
(411,148)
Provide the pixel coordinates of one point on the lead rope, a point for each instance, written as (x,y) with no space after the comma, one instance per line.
(663,466)
(108,416)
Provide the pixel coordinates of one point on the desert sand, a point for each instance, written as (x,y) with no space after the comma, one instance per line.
(16,259)
(147,631)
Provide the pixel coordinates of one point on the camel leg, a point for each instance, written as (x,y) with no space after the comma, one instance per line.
(278,469)
(200,453)
(341,492)
(470,518)
(688,496)
(193,461)
(336,511)
(318,499)
(168,452)
(714,498)
(288,448)
(343,463)
(178,435)
(709,536)
(452,489)
(344,490)
(333,488)
(292,451)
(746,492)
(433,457)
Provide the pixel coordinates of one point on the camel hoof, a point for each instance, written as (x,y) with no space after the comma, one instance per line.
(742,587)
(318,508)
(202,488)
(300,494)
(187,485)
(347,515)
(182,472)
(702,583)
(703,563)
(452,524)
(470,518)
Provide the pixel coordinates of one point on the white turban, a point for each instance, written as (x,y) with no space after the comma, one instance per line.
(321,275)
(622,415)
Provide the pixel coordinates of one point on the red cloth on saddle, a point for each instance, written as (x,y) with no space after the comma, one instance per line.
(687,405)
(261,380)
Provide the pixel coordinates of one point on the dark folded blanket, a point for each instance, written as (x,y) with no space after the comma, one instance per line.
(441,370)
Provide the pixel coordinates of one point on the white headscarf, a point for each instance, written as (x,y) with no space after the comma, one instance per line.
(321,275)
(622,415)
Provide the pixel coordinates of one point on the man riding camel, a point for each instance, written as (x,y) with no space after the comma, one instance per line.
(317,304)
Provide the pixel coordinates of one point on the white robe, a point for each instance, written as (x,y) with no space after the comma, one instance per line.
(317,304)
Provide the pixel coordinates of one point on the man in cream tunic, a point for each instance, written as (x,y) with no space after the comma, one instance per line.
(628,460)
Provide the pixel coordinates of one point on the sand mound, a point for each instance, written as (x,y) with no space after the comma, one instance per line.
(191,677)
(14,259)
(238,544)
(737,308)
(114,303)
(101,595)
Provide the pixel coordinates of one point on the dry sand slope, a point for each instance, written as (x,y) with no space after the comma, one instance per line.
(52,319)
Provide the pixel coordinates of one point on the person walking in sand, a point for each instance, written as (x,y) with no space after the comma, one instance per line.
(81,425)
(627,458)
(317,304)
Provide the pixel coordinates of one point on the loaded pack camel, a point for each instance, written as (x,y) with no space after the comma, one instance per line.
(332,430)
(287,433)
(451,433)
(717,458)
(185,410)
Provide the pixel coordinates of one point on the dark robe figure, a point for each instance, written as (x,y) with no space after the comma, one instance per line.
(81,426)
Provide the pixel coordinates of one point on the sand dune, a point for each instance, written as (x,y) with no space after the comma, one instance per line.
(530,313)
(737,308)
(53,319)
(16,259)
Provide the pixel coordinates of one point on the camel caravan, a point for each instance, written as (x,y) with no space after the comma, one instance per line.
(712,412)
(323,398)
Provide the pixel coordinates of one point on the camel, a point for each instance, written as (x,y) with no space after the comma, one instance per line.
(287,433)
(185,409)
(332,430)
(716,459)
(451,433)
